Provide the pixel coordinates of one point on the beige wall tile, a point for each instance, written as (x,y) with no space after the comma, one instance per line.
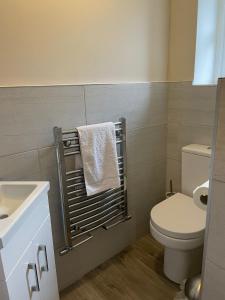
(216,240)
(28,115)
(213,285)
(143,105)
(23,166)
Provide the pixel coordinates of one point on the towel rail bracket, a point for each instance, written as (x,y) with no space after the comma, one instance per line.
(107,227)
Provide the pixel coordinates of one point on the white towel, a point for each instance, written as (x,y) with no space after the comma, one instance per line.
(99,157)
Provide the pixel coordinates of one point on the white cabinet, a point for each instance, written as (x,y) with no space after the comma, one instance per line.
(27,262)
(45,262)
(34,275)
(22,283)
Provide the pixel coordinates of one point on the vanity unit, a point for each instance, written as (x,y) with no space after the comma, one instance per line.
(27,263)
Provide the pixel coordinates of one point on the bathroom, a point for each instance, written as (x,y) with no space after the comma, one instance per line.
(68,64)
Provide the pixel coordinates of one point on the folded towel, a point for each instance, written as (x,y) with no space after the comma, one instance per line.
(99,157)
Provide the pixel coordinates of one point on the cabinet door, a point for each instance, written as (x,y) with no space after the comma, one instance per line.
(23,283)
(45,261)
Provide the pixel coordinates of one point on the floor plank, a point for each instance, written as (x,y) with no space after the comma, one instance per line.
(134,274)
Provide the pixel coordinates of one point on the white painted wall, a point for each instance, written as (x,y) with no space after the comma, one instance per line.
(49,42)
(183,17)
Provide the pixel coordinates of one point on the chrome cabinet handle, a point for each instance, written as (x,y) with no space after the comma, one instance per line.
(36,287)
(44,268)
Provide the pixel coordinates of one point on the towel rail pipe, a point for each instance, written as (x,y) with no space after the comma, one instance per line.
(99,210)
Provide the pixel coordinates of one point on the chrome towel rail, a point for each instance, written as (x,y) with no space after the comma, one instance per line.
(84,214)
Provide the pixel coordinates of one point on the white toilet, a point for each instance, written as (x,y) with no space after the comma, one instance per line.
(178,223)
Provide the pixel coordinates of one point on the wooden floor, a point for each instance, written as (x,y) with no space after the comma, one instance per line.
(136,274)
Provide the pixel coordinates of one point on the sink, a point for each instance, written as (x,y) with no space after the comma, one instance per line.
(17,200)
(12,196)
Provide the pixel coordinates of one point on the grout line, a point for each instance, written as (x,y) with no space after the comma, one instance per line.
(39,163)
(217,178)
(214,263)
(26,151)
(19,153)
(131,130)
(85,104)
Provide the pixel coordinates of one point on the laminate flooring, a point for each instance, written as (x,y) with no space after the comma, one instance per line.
(135,274)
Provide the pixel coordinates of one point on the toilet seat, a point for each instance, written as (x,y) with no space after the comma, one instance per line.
(173,243)
(179,217)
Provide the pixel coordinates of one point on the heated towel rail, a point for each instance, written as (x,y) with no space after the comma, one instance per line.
(84,214)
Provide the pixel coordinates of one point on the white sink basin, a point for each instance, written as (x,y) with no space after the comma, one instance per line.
(16,200)
(12,196)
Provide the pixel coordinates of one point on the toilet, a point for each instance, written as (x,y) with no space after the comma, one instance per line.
(178,223)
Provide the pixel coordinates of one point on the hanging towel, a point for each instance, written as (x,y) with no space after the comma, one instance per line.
(99,157)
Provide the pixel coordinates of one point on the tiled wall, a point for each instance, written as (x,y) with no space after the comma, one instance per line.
(214,269)
(191,112)
(27,118)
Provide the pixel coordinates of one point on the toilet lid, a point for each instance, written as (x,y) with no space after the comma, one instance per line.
(179,217)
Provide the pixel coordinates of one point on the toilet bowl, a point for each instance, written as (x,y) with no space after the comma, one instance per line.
(178,224)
